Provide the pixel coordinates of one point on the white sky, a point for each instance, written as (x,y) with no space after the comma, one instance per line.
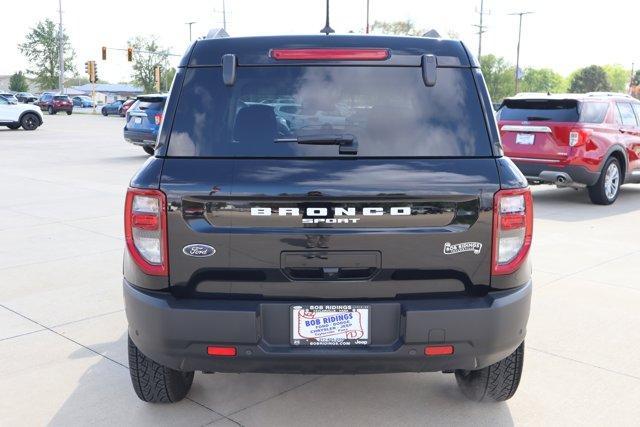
(562,35)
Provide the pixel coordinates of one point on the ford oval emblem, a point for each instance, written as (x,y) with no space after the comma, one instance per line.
(199,250)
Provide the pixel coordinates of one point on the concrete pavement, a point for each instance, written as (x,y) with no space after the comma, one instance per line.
(63,331)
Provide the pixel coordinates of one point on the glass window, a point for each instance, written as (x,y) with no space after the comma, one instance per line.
(387,110)
(3,101)
(532,110)
(636,108)
(626,114)
(593,112)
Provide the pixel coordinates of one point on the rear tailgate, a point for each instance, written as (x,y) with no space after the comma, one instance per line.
(330,228)
(537,129)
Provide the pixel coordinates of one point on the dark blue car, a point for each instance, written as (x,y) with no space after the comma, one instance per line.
(143,121)
(112,108)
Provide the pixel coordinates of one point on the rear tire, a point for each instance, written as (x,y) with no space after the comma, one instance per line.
(104,112)
(154,382)
(497,382)
(69,113)
(605,191)
(149,150)
(29,121)
(51,111)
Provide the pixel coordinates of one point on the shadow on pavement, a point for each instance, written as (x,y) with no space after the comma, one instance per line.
(104,395)
(567,204)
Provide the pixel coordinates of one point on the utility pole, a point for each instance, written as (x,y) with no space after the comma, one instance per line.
(60,51)
(481,28)
(367,29)
(190,24)
(630,91)
(224,16)
(519,14)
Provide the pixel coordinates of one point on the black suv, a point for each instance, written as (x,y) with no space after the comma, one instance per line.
(376,227)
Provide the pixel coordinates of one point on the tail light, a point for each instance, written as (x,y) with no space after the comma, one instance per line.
(158,118)
(145,228)
(579,137)
(512,229)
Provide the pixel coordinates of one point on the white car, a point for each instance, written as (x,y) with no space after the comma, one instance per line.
(15,115)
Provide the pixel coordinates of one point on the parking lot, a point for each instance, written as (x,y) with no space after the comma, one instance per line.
(63,329)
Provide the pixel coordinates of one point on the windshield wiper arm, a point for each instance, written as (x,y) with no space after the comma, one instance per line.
(348,143)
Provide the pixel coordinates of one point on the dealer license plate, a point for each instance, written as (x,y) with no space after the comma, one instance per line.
(330,325)
(137,120)
(525,138)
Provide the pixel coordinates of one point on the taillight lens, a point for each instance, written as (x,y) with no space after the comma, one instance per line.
(578,137)
(145,226)
(158,118)
(512,229)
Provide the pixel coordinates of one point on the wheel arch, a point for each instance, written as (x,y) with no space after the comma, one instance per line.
(24,113)
(617,152)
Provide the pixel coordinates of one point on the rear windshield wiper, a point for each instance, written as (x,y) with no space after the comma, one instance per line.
(348,143)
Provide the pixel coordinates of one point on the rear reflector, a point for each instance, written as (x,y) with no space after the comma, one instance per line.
(337,54)
(214,350)
(438,350)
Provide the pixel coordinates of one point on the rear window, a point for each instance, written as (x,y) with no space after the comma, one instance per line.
(387,110)
(150,103)
(61,98)
(561,110)
(527,110)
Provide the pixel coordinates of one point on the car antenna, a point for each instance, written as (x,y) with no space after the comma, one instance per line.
(327,29)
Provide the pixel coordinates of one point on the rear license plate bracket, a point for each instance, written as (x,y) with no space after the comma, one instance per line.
(331,325)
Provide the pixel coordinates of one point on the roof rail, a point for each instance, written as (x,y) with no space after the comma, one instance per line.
(622,95)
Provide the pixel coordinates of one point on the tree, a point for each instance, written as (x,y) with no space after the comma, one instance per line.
(542,80)
(499,76)
(590,79)
(146,56)
(18,82)
(405,28)
(635,80)
(618,77)
(41,50)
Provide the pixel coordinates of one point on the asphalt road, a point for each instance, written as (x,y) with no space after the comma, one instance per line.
(63,330)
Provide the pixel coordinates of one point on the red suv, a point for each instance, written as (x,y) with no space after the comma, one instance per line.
(590,140)
(55,103)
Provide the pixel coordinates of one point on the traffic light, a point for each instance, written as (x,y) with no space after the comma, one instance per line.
(95,72)
(104,53)
(156,76)
(129,54)
(91,68)
(86,67)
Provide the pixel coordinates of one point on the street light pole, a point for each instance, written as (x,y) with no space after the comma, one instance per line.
(367,30)
(190,24)
(519,14)
(60,51)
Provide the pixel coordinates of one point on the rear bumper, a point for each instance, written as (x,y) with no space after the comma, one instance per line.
(176,332)
(549,172)
(140,138)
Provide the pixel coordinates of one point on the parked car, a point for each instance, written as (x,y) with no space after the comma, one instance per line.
(15,115)
(143,121)
(590,141)
(83,101)
(9,97)
(125,107)
(253,248)
(112,108)
(54,103)
(26,97)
